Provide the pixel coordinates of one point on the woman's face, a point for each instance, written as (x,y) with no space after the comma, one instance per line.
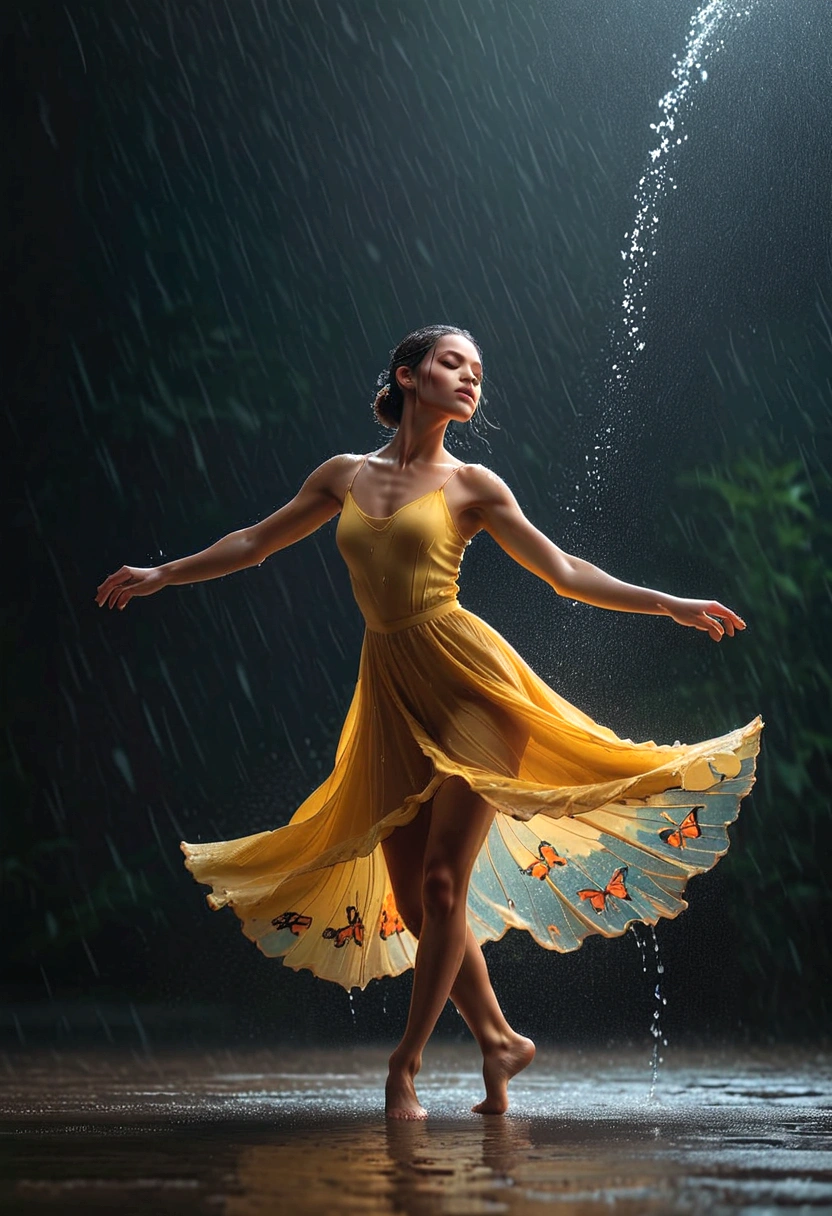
(449,377)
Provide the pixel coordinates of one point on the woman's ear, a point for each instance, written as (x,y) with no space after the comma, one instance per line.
(405,378)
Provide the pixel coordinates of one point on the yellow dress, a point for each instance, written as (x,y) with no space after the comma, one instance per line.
(593,832)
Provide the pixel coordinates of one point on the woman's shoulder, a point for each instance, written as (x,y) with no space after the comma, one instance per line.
(334,474)
(483,485)
(478,474)
(477,470)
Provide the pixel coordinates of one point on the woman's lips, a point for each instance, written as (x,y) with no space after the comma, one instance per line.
(465,393)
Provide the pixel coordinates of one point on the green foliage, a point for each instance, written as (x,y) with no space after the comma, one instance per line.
(763,523)
(180,370)
(158,396)
(63,908)
(177,381)
(44,885)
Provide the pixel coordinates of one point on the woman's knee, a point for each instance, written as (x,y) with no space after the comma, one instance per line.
(442,891)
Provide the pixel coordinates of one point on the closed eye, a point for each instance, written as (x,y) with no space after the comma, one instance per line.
(453,367)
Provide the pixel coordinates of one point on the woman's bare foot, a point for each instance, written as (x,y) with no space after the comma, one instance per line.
(498,1067)
(400,1101)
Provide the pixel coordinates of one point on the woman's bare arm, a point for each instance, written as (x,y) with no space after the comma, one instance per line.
(314,504)
(316,501)
(500,515)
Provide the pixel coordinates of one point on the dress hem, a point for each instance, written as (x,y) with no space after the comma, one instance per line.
(741,740)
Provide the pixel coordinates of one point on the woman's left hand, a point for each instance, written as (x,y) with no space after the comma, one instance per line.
(702,614)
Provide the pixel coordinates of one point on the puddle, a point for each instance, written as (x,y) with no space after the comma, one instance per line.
(302,1132)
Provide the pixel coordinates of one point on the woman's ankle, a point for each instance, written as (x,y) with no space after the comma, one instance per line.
(404,1061)
(498,1040)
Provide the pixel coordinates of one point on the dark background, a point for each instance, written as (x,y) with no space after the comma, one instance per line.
(219,221)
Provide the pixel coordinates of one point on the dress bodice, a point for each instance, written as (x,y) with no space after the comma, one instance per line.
(403,567)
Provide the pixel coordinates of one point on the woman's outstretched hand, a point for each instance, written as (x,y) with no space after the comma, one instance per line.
(702,614)
(118,590)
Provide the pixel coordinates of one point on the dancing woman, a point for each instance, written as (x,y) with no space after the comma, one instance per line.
(466,796)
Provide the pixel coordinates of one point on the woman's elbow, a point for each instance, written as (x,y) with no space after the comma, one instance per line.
(254,547)
(561,575)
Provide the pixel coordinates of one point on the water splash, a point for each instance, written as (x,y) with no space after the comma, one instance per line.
(709,27)
(640,944)
(656,1023)
(660,1002)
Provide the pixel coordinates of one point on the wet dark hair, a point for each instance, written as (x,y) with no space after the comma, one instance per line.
(389,400)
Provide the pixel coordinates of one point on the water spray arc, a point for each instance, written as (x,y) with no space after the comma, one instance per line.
(709,27)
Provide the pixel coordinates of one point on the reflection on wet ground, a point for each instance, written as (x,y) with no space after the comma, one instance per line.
(240,1134)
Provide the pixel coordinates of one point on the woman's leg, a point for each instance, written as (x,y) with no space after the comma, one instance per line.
(459,822)
(488,737)
(504,1051)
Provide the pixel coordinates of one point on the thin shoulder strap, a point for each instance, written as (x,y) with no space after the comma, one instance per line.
(450,475)
(357,471)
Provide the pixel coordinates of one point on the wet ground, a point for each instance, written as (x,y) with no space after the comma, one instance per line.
(245,1133)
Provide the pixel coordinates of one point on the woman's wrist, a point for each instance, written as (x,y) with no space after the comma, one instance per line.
(165,572)
(664,602)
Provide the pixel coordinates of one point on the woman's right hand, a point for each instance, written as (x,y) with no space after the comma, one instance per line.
(118,590)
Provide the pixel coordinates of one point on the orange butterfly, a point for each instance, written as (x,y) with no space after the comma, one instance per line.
(391,922)
(689,827)
(353,930)
(293,921)
(547,857)
(615,887)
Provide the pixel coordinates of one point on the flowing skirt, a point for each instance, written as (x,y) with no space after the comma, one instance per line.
(593,832)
